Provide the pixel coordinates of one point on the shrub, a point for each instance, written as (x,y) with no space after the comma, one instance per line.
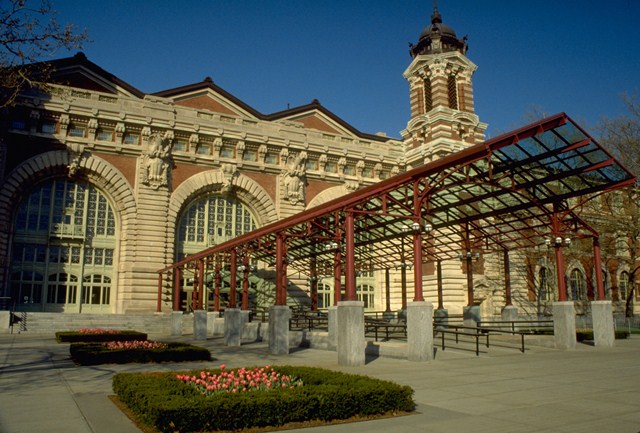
(101,353)
(98,335)
(163,401)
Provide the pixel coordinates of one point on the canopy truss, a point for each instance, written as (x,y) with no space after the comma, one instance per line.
(511,192)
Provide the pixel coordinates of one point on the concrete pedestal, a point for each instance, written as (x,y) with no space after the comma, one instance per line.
(200,325)
(471,316)
(233,324)
(420,331)
(510,314)
(603,329)
(5,321)
(176,323)
(351,342)
(564,325)
(212,316)
(332,317)
(279,316)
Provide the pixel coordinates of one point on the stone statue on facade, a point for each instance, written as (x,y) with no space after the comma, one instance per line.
(295,178)
(157,161)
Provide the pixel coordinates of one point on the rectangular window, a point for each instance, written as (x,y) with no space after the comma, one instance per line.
(203,149)
(76,131)
(312,164)
(349,170)
(19,124)
(104,135)
(180,144)
(250,155)
(48,128)
(271,158)
(331,167)
(131,138)
(227,152)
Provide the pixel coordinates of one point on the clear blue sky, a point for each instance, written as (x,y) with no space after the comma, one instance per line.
(575,56)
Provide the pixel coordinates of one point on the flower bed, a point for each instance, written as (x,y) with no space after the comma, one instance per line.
(98,334)
(141,351)
(171,402)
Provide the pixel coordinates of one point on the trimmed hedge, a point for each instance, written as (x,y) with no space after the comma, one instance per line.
(163,402)
(77,337)
(97,353)
(584,335)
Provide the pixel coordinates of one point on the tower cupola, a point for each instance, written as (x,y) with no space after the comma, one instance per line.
(438,38)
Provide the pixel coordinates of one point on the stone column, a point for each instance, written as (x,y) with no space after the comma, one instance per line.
(279,316)
(176,323)
(564,325)
(603,330)
(420,331)
(351,342)
(233,324)
(200,325)
(471,315)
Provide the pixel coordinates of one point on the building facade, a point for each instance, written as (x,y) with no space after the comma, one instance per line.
(103,185)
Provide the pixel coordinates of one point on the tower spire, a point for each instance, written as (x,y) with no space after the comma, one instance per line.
(436,17)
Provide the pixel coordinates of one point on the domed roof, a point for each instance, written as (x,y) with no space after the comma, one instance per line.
(438,37)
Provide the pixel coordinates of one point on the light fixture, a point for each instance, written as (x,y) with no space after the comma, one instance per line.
(428,227)
(415,227)
(405,228)
(547,242)
(567,241)
(558,240)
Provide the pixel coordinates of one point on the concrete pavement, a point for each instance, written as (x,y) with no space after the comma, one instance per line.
(543,390)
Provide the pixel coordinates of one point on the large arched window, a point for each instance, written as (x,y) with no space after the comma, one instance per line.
(577,285)
(64,231)
(211,220)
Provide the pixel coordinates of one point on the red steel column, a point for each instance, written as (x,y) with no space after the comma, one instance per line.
(176,289)
(350,261)
(562,284)
(216,290)
(337,276)
(507,279)
(200,305)
(245,283)
(598,265)
(417,266)
(281,271)
(232,278)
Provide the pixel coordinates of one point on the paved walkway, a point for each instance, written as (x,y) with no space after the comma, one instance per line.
(544,390)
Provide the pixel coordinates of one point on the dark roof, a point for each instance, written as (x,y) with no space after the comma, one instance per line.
(438,30)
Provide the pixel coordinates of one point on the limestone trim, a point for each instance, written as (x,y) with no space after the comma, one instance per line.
(244,188)
(327,195)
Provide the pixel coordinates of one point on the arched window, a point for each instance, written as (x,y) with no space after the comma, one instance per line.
(623,286)
(211,220)
(65,230)
(428,100)
(577,285)
(453,92)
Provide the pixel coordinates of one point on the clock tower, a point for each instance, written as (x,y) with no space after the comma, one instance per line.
(441,94)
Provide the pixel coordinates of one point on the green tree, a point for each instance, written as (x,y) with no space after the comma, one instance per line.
(29,34)
(621,136)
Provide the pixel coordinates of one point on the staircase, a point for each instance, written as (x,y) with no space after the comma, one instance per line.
(50,323)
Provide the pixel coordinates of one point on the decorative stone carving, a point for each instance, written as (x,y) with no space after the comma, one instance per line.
(230,174)
(342,162)
(352,185)
(157,161)
(262,153)
(294,178)
(217,145)
(359,169)
(377,170)
(76,153)
(322,162)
